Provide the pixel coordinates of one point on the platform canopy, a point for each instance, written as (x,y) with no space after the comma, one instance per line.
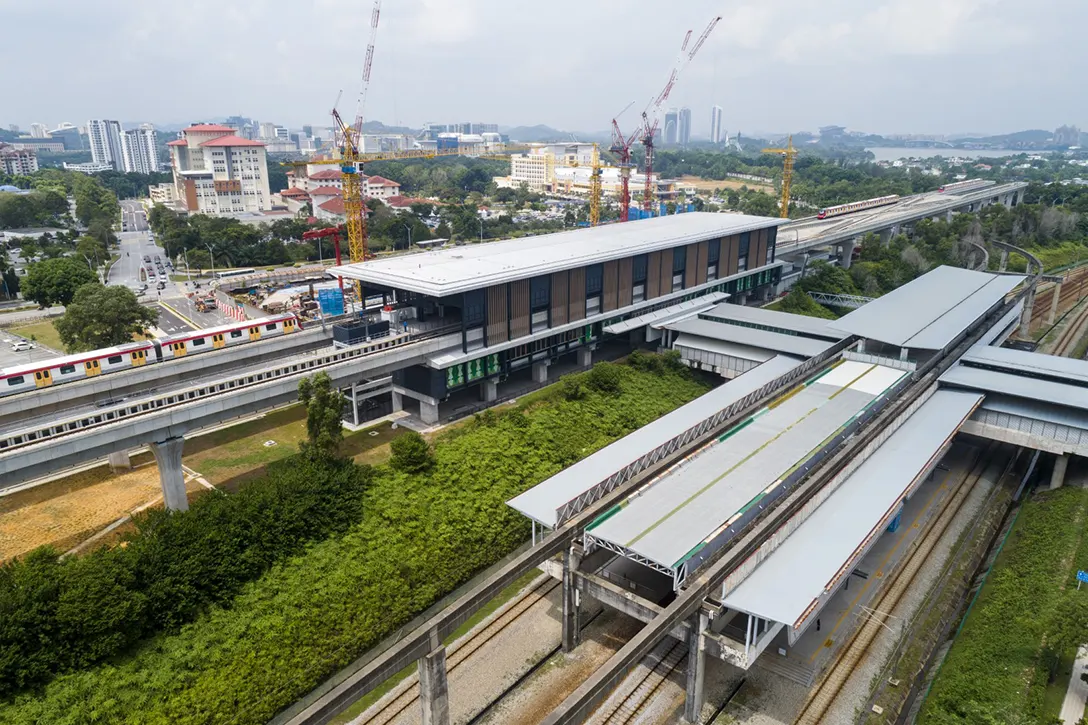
(774,342)
(931,311)
(474,266)
(763,319)
(807,567)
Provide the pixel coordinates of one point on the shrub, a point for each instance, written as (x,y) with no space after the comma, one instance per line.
(605,377)
(411,454)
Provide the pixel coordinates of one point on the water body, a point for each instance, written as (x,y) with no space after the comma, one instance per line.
(891,153)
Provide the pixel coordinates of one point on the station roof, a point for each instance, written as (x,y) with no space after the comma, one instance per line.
(929,312)
(760,316)
(670,520)
(751,336)
(721,347)
(657,318)
(1016,385)
(474,266)
(821,550)
(543,501)
(1030,364)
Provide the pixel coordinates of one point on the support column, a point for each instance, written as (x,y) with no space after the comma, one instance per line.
(1025,317)
(696,675)
(120,461)
(572,559)
(1004,260)
(846,255)
(398,402)
(355,404)
(886,236)
(428,412)
(1054,304)
(171,477)
(1057,478)
(433,688)
(585,357)
(540,372)
(489,391)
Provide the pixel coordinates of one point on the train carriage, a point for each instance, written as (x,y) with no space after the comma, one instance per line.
(216,338)
(833,211)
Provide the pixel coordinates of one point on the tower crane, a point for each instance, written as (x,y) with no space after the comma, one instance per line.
(651,117)
(595,188)
(788,154)
(621,147)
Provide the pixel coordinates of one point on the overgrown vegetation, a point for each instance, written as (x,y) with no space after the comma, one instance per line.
(423,534)
(999,666)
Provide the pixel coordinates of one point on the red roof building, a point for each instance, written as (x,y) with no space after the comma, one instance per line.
(177,142)
(326,191)
(231,140)
(209,128)
(295,192)
(333,206)
(327,174)
(380,181)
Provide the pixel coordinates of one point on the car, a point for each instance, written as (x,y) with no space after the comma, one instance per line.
(22,346)
(162,285)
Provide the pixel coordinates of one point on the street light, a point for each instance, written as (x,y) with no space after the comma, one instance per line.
(409,228)
(481,230)
(212,252)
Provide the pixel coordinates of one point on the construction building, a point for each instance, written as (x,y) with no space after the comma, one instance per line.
(566,168)
(17,161)
(219,173)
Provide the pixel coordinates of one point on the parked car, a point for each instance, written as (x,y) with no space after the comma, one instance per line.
(22,346)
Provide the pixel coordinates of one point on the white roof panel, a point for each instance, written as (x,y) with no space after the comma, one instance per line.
(680,309)
(774,318)
(473,266)
(750,336)
(1029,363)
(543,501)
(808,563)
(1018,386)
(721,347)
(929,312)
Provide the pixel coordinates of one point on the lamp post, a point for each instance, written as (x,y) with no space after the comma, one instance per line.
(212,252)
(409,228)
(481,230)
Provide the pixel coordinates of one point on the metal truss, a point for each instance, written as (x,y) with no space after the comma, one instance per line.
(851,302)
(592,542)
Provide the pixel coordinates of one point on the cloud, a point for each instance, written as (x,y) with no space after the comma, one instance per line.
(881,65)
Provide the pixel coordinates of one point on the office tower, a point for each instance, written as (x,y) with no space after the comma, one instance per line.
(716,125)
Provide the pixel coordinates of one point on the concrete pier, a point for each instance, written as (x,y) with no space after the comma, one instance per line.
(1054,304)
(572,558)
(1057,478)
(540,372)
(434,695)
(171,476)
(696,674)
(120,461)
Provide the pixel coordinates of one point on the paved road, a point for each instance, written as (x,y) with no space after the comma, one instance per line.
(1073,705)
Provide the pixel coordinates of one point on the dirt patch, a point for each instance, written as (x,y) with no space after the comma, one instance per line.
(711,184)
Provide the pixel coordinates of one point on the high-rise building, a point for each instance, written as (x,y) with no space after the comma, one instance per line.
(267,130)
(308,131)
(672,126)
(105,139)
(716,125)
(683,133)
(217,172)
(38,130)
(17,161)
(70,135)
(1063,136)
(283,133)
(139,153)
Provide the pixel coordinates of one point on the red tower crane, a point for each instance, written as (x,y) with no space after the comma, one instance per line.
(333,232)
(651,117)
(621,147)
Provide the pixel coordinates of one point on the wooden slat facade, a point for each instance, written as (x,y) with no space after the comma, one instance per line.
(559,298)
(653,275)
(610,290)
(519,309)
(701,261)
(497,319)
(758,255)
(666,273)
(691,266)
(625,282)
(731,254)
(577,294)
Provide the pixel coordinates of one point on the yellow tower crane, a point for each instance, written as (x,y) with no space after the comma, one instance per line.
(789,154)
(595,188)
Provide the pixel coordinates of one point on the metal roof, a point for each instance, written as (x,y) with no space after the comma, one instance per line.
(1030,363)
(720,347)
(543,501)
(657,317)
(1019,386)
(809,562)
(929,312)
(1007,324)
(672,518)
(473,266)
(773,341)
(1036,410)
(773,318)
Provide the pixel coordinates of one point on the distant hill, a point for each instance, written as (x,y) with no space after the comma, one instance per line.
(1020,138)
(542,133)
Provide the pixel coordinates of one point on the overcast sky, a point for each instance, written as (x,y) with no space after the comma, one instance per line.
(887,66)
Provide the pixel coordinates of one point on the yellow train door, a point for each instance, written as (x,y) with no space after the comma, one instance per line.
(288,325)
(43,379)
(217,341)
(139,357)
(179,349)
(254,334)
(93,368)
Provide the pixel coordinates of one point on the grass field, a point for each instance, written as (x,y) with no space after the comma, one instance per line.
(711,184)
(41,332)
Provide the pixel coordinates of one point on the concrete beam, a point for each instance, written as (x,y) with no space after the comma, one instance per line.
(119,461)
(433,687)
(1054,304)
(1020,438)
(171,475)
(1004,260)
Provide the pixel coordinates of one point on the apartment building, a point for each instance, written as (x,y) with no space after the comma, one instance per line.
(219,173)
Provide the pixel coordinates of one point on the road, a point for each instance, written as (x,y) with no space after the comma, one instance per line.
(1073,705)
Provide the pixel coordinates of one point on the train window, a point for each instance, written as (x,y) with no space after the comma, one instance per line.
(199,341)
(67,369)
(235,333)
(270,326)
(254,330)
(15,380)
(113,359)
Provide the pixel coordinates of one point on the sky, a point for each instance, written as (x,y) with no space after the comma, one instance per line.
(883,66)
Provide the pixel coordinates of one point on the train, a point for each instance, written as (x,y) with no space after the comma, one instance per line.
(852,207)
(69,368)
(957,187)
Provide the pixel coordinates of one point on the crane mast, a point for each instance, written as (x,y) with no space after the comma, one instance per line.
(595,188)
(789,153)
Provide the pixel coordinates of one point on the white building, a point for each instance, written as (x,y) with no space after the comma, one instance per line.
(162,194)
(219,173)
(267,130)
(39,130)
(90,167)
(17,161)
(105,140)
(716,125)
(138,151)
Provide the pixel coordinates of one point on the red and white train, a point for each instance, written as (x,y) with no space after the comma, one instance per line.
(958,187)
(90,364)
(852,207)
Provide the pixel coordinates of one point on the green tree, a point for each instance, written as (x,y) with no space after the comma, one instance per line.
(100,316)
(92,249)
(55,281)
(324,406)
(411,454)
(199,258)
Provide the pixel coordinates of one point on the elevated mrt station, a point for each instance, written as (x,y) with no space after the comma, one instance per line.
(519,307)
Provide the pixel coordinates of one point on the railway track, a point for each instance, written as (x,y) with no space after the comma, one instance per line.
(468,646)
(666,657)
(1073,333)
(826,694)
(1072,288)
